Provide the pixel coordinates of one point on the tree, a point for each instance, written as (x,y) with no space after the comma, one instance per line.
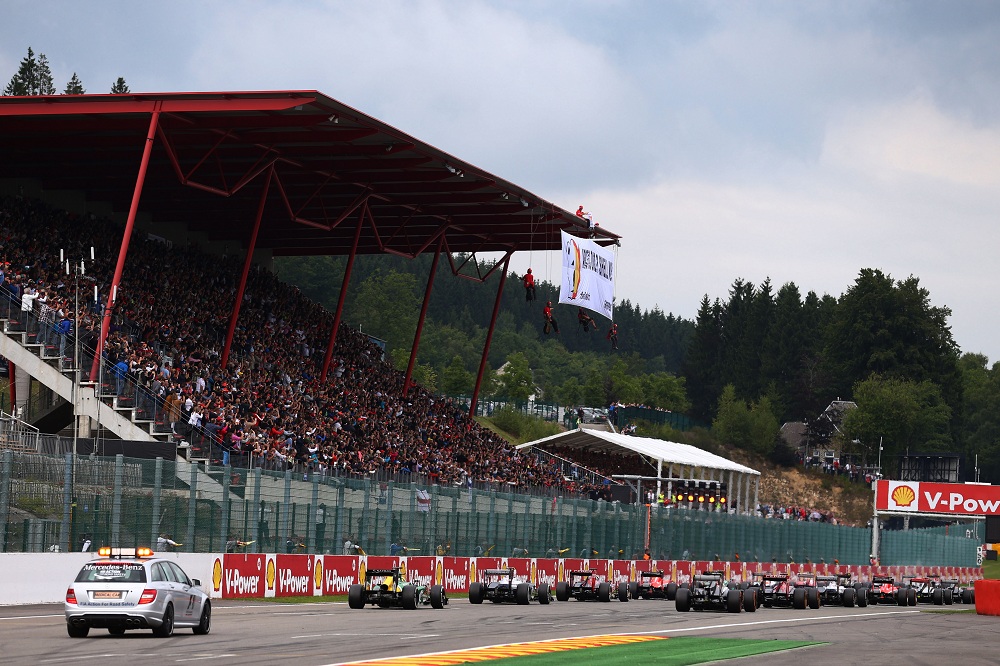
(388,307)
(753,429)
(665,391)
(74,87)
(455,379)
(980,431)
(515,381)
(702,365)
(120,87)
(25,81)
(45,84)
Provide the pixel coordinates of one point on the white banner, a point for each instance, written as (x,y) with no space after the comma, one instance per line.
(588,279)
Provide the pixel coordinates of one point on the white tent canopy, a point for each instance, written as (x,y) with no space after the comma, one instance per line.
(671,459)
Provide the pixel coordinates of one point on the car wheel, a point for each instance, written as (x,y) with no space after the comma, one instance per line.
(862,597)
(911,597)
(849,596)
(205,623)
(408,597)
(77,632)
(604,591)
(683,600)
(356,596)
(968,596)
(750,600)
(476,593)
(937,597)
(901,596)
(166,628)
(522,594)
(438,599)
(758,595)
(633,590)
(117,631)
(622,591)
(544,595)
(799,598)
(671,591)
(949,597)
(812,596)
(733,601)
(562,591)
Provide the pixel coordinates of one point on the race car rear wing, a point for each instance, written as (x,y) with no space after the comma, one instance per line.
(382,572)
(882,580)
(497,572)
(582,572)
(652,574)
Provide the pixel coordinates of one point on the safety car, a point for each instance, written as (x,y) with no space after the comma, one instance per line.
(128,588)
(501,585)
(388,588)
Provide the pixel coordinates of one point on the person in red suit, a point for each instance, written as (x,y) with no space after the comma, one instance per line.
(529,286)
(550,321)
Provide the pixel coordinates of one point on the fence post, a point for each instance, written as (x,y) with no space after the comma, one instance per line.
(388,519)
(192,508)
(527,519)
(491,518)
(255,523)
(5,474)
(154,523)
(65,533)
(286,517)
(339,535)
(116,501)
(224,522)
(311,517)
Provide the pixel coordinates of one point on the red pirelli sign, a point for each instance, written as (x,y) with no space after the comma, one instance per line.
(949,498)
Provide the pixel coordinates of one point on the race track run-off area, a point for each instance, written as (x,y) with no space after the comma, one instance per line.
(309,634)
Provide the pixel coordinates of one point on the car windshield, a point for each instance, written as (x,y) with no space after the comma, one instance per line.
(112,572)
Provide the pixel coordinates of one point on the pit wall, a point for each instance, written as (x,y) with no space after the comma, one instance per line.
(33,578)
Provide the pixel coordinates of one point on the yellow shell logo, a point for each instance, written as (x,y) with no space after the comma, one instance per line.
(270,574)
(362,571)
(903,496)
(562,571)
(611,570)
(534,573)
(402,568)
(472,570)
(217,575)
(318,574)
(631,571)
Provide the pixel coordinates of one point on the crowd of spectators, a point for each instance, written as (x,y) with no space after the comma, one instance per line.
(799,513)
(164,351)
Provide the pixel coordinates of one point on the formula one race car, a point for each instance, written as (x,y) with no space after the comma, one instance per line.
(885,590)
(499,586)
(838,590)
(777,591)
(959,594)
(930,590)
(653,585)
(584,585)
(711,591)
(387,588)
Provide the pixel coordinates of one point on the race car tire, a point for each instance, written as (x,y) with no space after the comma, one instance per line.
(562,591)
(744,584)
(476,593)
(812,597)
(799,598)
(522,594)
(901,596)
(758,595)
(622,591)
(633,590)
(949,597)
(408,597)
(205,622)
(849,596)
(117,631)
(356,596)
(77,632)
(733,601)
(166,628)
(438,598)
(968,596)
(911,597)
(750,600)
(937,597)
(604,591)
(544,596)
(862,598)
(671,591)
(683,600)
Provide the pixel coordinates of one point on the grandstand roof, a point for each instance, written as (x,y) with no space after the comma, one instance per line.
(671,453)
(332,165)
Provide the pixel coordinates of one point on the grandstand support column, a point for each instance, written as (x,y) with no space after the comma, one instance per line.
(343,293)
(756,491)
(729,492)
(423,314)
(126,236)
(489,338)
(246,271)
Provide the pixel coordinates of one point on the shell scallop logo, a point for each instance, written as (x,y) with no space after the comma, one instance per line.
(217,575)
(439,573)
(270,574)
(903,496)
(318,574)
(472,570)
(534,573)
(402,568)
(562,571)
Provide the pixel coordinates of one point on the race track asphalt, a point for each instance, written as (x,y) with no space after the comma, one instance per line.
(315,634)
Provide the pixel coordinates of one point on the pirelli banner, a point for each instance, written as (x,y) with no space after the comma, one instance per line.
(958,499)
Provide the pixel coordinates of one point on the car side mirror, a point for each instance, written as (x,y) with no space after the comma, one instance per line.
(196,582)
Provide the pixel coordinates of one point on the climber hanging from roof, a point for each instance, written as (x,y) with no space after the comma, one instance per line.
(613,335)
(529,286)
(585,320)
(584,215)
(550,321)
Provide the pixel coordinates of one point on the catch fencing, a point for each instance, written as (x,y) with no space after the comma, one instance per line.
(60,502)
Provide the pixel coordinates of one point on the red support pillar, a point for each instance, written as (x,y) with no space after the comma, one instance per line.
(246,271)
(126,237)
(489,338)
(343,294)
(420,321)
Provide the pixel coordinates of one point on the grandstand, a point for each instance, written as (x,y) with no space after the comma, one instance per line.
(172,338)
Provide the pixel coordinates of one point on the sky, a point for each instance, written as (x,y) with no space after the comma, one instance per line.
(792,141)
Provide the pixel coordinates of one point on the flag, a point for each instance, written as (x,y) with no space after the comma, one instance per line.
(588,275)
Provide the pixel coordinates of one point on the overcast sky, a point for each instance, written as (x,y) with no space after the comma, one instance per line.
(796,141)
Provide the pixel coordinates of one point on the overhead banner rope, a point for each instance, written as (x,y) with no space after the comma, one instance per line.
(588,275)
